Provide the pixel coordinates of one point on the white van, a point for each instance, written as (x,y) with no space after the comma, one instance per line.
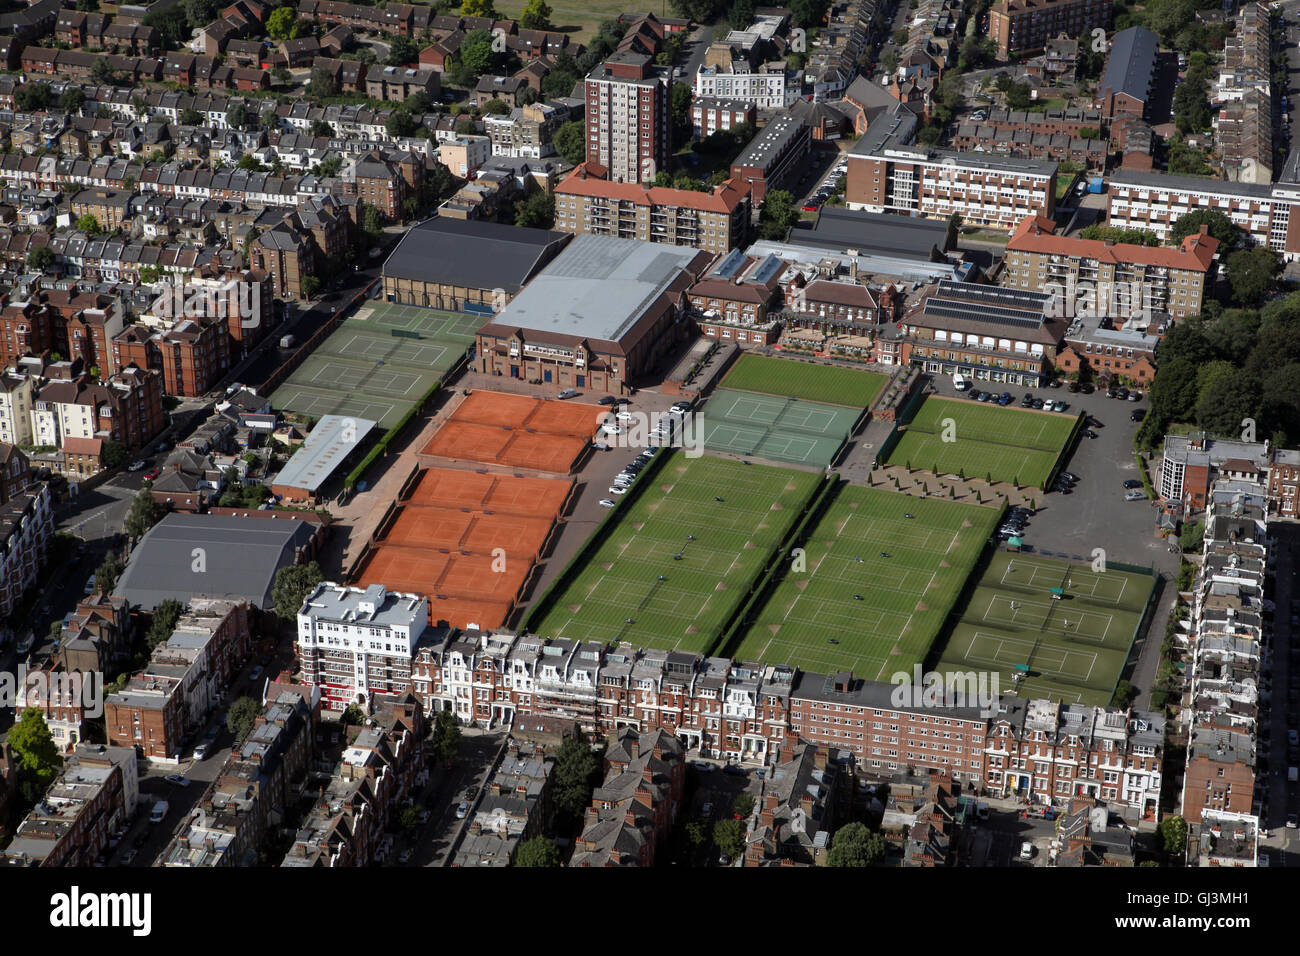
(960,382)
(159,811)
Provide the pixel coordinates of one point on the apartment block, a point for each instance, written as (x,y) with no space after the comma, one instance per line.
(357,644)
(380,769)
(1017,25)
(774,158)
(712,114)
(1149,279)
(1227,645)
(514,806)
(186,677)
(766,87)
(26,527)
(634,808)
(1153,201)
(629,130)
(1192,463)
(91,801)
(886,175)
(715,221)
(261,781)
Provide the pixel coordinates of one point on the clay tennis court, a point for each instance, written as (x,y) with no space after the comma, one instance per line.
(534,414)
(497,445)
(462,589)
(467,541)
(516,430)
(507,494)
(423,526)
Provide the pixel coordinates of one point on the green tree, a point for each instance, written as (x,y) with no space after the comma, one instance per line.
(191,117)
(536,211)
(72,99)
(41,258)
(855,845)
(573,776)
(165,616)
(778,216)
(36,756)
(310,285)
(409,817)
(495,107)
(729,837)
(742,14)
(199,13)
(282,24)
(292,585)
(109,570)
(241,717)
(1251,274)
(538,851)
(142,514)
(743,806)
(320,128)
(1221,228)
(113,454)
(250,163)
(402,50)
(478,8)
(571,141)
(353,715)
(170,24)
(446,736)
(1172,834)
(697,832)
(474,58)
(372,222)
(400,123)
(810,13)
(88,224)
(536,15)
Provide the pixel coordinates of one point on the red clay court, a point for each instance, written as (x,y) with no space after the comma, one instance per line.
(507,494)
(423,526)
(422,547)
(516,431)
(462,589)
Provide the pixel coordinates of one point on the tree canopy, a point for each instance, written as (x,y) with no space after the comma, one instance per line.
(538,851)
(292,585)
(855,845)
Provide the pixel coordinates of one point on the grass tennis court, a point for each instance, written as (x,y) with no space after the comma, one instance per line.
(680,561)
(815,383)
(363,369)
(1075,648)
(775,428)
(1009,444)
(874,580)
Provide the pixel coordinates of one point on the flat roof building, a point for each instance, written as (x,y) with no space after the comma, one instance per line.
(328,446)
(221,556)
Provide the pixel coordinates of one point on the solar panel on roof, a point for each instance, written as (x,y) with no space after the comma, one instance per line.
(982,313)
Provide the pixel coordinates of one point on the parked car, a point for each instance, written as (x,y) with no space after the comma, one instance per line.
(152,474)
(1026,851)
(1134,496)
(135,466)
(1089,433)
(177,780)
(567,393)
(703,766)
(462,811)
(1069,476)
(607,400)
(607,502)
(1137,415)
(618,490)
(1131,484)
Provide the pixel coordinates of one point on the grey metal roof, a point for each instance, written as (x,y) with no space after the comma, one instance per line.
(473,254)
(876,232)
(327,446)
(1130,64)
(239,558)
(598,288)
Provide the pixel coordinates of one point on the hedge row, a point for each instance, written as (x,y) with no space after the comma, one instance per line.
(391,435)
